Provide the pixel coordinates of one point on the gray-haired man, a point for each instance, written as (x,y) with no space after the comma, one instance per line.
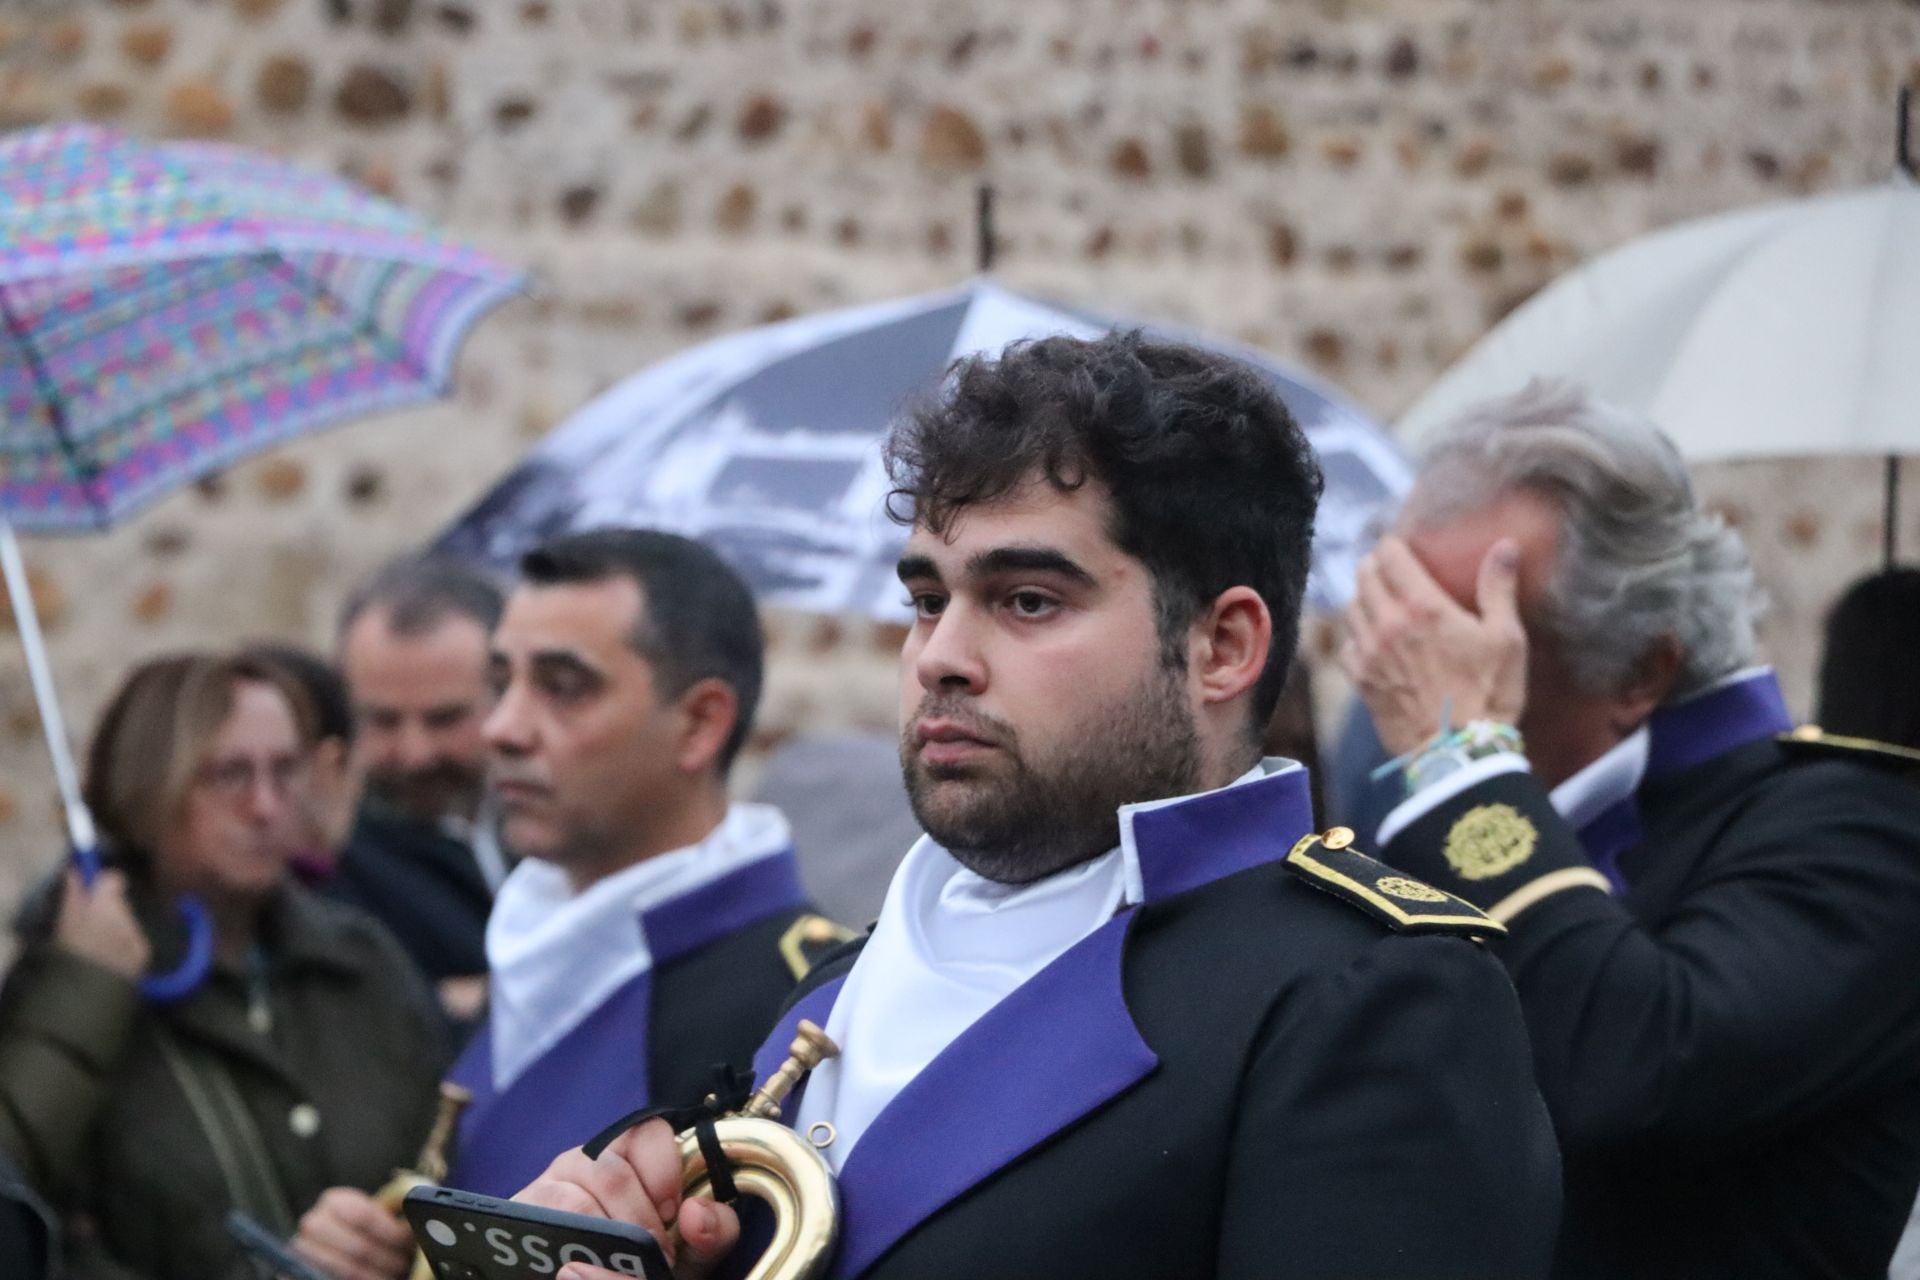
(1714,927)
(425,857)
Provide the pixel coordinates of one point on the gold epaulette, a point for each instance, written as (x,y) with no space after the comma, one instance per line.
(1330,863)
(1812,739)
(808,939)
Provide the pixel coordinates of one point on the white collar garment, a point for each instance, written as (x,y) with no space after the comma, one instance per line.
(554,955)
(1604,783)
(948,947)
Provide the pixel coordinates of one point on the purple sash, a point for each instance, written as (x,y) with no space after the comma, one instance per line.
(599,1069)
(1062,1045)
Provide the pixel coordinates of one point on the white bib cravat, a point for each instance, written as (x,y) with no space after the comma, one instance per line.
(949,946)
(555,955)
(1604,783)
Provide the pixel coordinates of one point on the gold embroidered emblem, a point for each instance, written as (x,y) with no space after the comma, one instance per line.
(1408,890)
(1490,841)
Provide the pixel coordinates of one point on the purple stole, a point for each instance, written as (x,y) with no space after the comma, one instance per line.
(1679,737)
(509,1136)
(1060,1046)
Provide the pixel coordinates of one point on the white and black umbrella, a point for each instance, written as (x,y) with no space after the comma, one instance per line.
(766,445)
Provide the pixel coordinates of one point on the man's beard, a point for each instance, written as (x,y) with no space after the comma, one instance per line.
(444,789)
(1058,810)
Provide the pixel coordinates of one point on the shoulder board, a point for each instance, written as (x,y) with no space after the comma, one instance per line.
(1811,739)
(808,939)
(1403,904)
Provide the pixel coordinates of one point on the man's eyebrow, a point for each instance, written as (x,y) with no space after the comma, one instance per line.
(1002,560)
(562,660)
(912,567)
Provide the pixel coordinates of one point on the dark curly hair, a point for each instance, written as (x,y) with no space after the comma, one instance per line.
(1213,484)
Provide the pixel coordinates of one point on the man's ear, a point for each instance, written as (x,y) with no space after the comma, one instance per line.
(709,709)
(1229,644)
(1649,686)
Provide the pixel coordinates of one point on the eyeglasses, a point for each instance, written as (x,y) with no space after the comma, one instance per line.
(234,779)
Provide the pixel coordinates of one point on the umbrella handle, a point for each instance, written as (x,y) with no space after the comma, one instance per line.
(165,988)
(88,863)
(185,979)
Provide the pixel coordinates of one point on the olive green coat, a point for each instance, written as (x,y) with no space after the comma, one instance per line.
(146,1123)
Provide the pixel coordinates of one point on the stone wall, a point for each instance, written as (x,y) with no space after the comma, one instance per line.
(1362,186)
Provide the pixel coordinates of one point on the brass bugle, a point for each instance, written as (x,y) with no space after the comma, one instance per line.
(430,1168)
(773,1163)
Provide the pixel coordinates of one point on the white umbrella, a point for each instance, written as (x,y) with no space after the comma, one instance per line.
(1789,329)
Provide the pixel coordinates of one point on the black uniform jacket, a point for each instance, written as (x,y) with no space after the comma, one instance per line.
(424,885)
(1731,1051)
(1246,1076)
(726,956)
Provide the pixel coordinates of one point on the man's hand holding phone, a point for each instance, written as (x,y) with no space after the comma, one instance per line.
(637,1180)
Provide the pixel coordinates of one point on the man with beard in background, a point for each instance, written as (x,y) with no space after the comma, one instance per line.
(425,856)
(1124,1012)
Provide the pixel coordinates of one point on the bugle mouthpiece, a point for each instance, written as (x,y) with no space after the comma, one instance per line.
(811,1047)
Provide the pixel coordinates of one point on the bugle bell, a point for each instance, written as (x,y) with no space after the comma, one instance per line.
(771,1162)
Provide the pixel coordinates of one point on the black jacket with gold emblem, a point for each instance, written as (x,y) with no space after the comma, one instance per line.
(1242,1076)
(1731,1047)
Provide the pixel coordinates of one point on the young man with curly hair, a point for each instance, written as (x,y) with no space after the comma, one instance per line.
(1124,1012)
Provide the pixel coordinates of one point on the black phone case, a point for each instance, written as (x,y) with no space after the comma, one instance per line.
(474,1237)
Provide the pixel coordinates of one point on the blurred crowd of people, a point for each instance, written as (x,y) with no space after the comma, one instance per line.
(349,825)
(489,839)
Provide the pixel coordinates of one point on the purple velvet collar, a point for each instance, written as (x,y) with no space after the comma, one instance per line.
(1680,736)
(1197,840)
(1707,726)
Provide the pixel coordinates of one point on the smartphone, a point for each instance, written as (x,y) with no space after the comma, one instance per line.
(270,1251)
(474,1237)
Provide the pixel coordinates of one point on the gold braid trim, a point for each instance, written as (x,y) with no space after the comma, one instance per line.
(1546,886)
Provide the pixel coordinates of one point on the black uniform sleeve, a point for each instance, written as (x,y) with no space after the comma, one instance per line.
(1389,1126)
(1781,979)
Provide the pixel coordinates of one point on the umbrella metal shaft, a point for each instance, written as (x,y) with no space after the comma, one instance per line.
(27,621)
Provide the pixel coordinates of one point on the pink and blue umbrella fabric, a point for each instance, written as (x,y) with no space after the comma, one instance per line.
(167,309)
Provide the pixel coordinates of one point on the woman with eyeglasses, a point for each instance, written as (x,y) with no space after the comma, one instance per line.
(308,1058)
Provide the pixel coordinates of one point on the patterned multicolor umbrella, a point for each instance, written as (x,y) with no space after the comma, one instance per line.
(167,309)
